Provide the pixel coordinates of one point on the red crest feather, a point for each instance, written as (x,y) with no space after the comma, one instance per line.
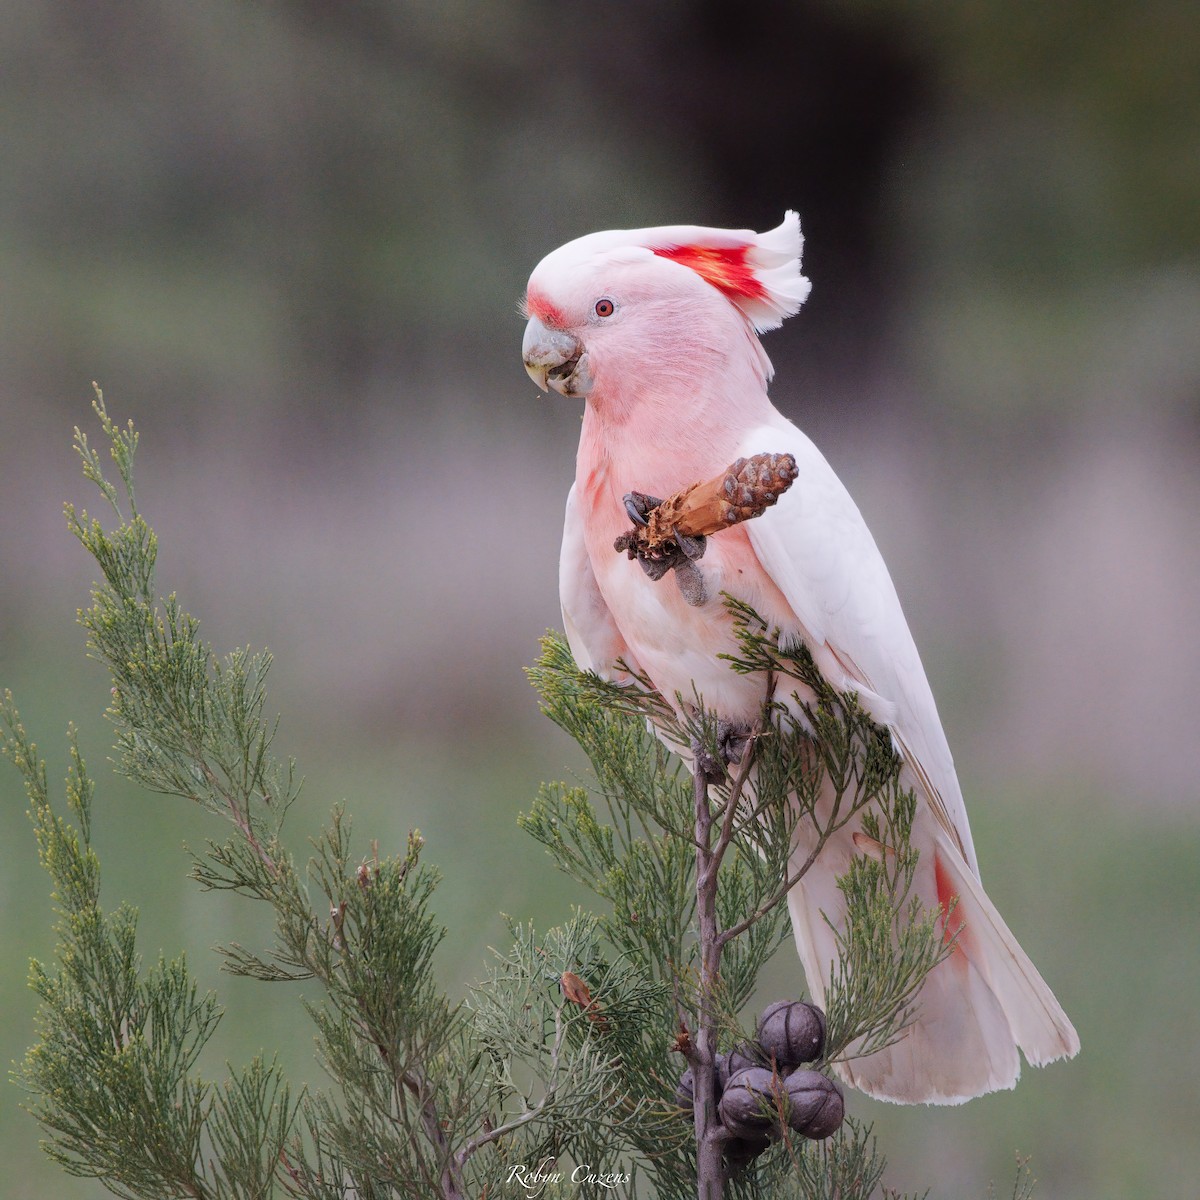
(759,273)
(727,268)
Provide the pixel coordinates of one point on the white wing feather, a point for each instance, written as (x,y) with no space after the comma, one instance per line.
(596,642)
(817,548)
(982,1002)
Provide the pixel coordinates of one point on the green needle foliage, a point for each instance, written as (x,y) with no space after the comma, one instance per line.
(556,1073)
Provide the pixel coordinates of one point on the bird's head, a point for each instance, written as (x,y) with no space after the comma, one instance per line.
(659,304)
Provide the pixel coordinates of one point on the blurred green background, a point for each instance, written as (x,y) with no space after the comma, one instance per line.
(288,239)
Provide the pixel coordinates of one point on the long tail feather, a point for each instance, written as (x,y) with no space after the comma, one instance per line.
(975,1009)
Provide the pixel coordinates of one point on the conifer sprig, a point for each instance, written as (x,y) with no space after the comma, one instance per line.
(416,1097)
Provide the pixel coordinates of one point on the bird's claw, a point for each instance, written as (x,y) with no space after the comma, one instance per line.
(707,765)
(638,505)
(733,741)
(732,744)
(690,582)
(678,555)
(656,567)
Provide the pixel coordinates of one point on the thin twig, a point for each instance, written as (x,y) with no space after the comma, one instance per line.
(790,879)
(530,1114)
(241,820)
(725,836)
(710,1168)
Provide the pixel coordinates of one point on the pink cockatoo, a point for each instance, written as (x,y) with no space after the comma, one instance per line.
(658,330)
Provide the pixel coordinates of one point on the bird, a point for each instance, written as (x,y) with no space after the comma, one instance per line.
(657,330)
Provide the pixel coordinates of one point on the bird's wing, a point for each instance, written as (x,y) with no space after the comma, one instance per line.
(592,634)
(816,547)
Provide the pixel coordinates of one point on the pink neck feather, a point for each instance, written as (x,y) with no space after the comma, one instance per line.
(676,416)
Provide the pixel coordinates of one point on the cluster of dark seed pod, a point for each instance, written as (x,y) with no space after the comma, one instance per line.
(761,1085)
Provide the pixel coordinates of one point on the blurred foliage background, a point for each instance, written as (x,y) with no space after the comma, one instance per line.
(288,239)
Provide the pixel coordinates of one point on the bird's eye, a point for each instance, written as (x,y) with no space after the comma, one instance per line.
(605,308)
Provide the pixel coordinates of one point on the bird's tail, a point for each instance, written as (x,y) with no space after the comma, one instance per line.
(976,1008)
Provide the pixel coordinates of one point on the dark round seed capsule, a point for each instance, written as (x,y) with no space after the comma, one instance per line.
(741,1151)
(816,1105)
(741,1058)
(792,1032)
(685,1090)
(721,1069)
(749,1107)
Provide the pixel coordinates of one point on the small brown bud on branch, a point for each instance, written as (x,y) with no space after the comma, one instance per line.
(683,1040)
(578,992)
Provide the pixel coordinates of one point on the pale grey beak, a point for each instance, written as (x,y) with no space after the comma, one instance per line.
(555,360)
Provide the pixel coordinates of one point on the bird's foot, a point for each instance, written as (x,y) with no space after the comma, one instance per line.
(706,764)
(733,741)
(639,506)
(679,553)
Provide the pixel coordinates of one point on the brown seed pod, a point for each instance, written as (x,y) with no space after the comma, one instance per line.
(792,1032)
(816,1105)
(749,1106)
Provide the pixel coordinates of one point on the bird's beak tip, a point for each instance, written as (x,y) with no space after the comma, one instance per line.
(538,373)
(553,359)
